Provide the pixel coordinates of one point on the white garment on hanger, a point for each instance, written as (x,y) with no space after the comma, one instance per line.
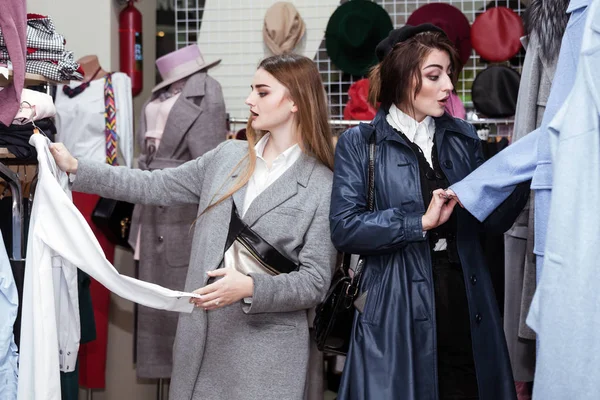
(80,120)
(9,303)
(59,241)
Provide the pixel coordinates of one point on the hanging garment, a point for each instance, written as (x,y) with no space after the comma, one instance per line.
(530,157)
(9,303)
(564,312)
(195,124)
(80,120)
(92,355)
(13,34)
(60,240)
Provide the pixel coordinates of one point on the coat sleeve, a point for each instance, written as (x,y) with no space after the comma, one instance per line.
(503,217)
(305,288)
(181,185)
(486,188)
(354,229)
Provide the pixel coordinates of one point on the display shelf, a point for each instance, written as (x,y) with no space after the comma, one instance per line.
(30,79)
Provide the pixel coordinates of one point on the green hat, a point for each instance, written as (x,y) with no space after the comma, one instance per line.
(353,31)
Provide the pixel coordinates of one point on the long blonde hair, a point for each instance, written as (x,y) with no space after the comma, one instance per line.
(301,77)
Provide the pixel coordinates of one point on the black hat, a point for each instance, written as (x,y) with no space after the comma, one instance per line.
(494,91)
(400,35)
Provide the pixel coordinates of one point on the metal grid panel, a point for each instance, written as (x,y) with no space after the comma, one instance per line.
(189,18)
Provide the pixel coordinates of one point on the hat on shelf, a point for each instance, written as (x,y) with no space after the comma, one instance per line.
(452,21)
(283,27)
(353,31)
(358,107)
(180,64)
(400,35)
(496,34)
(494,91)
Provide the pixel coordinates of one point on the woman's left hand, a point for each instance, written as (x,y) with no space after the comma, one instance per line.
(232,287)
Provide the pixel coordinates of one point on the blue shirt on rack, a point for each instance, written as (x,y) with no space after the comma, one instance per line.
(9,303)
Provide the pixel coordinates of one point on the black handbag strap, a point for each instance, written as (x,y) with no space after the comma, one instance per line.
(355,285)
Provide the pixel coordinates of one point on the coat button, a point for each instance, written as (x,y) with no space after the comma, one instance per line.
(473,279)
(161,238)
(478,318)
(448,164)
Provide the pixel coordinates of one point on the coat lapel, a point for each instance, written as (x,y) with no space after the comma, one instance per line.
(279,191)
(185,111)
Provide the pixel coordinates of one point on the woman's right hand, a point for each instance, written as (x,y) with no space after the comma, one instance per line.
(439,210)
(65,161)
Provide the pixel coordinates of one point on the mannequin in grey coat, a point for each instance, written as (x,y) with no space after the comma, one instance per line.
(232,347)
(196,124)
(545,22)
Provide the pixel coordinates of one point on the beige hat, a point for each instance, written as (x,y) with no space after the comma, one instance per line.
(283,27)
(181,63)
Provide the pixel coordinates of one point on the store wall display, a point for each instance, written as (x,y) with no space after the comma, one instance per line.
(495,91)
(454,23)
(353,32)
(183,119)
(283,28)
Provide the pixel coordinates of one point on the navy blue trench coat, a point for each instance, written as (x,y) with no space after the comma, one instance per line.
(393,349)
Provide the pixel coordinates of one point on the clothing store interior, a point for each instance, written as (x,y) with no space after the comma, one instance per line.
(428,249)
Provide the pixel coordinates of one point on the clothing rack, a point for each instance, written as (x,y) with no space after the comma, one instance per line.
(343,122)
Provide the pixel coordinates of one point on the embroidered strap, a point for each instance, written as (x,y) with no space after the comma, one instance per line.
(110,120)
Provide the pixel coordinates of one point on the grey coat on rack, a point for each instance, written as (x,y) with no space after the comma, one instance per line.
(195,125)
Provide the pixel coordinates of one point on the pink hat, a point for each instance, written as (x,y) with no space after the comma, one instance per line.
(180,64)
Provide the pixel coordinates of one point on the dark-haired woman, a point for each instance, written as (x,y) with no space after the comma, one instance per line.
(430,328)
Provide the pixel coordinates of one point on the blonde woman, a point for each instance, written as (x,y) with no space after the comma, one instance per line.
(248,337)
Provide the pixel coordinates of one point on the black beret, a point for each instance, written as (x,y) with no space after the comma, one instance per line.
(400,35)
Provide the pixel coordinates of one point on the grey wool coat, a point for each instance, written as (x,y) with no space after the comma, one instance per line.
(536,81)
(241,351)
(196,124)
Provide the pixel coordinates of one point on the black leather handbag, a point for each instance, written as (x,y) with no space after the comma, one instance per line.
(113,218)
(332,325)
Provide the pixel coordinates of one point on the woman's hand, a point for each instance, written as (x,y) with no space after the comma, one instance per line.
(231,288)
(450,193)
(65,161)
(439,210)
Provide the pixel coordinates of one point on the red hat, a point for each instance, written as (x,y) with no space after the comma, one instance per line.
(358,107)
(451,20)
(496,34)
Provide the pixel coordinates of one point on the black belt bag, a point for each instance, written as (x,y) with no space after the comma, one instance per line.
(248,252)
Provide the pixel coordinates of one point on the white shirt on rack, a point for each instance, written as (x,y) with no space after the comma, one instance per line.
(264,176)
(421,134)
(60,240)
(80,120)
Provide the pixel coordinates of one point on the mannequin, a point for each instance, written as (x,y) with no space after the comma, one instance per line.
(184,118)
(91,66)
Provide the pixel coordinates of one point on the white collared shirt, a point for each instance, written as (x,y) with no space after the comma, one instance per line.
(420,133)
(264,176)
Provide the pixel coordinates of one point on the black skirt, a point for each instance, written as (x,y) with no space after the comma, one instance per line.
(456,368)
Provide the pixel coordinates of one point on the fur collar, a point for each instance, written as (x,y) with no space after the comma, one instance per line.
(548,20)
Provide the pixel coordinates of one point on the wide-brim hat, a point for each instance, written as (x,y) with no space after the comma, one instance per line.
(496,34)
(180,64)
(353,31)
(495,90)
(451,20)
